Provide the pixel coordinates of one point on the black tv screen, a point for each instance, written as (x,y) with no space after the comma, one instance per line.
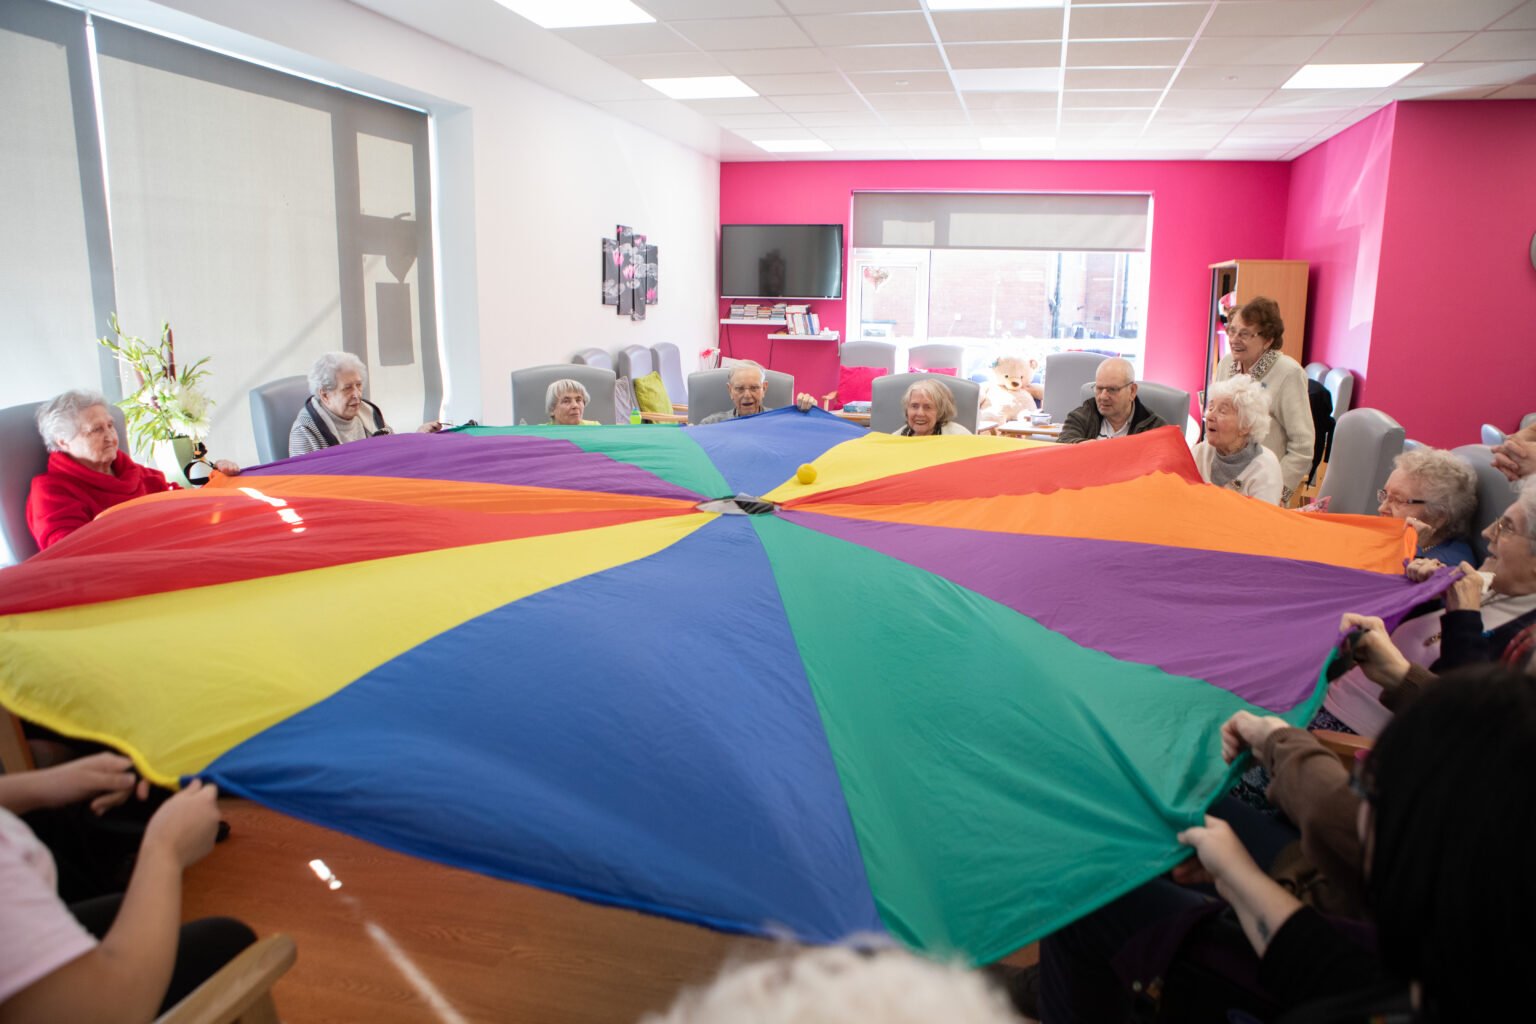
(786,261)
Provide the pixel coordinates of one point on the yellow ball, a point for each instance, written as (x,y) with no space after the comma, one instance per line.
(806,474)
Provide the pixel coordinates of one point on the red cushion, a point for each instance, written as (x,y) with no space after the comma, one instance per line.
(853,383)
(948,371)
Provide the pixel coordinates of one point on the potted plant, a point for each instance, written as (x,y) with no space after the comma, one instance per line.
(167,414)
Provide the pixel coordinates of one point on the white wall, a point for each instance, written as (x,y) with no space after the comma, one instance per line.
(529,182)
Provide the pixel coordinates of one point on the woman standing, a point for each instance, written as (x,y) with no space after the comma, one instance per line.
(1254,334)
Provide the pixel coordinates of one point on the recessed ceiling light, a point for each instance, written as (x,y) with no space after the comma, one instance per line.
(712,87)
(578,13)
(988,5)
(792,145)
(1350,76)
(1006,142)
(1008,79)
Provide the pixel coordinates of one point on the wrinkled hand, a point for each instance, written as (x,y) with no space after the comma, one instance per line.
(1247,731)
(227,467)
(1420,527)
(429,428)
(186,825)
(105,779)
(1220,852)
(805,401)
(1515,458)
(1374,651)
(1466,594)
(1421,569)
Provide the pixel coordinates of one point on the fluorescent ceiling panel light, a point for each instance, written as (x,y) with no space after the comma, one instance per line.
(1350,76)
(578,13)
(711,87)
(1016,142)
(792,145)
(989,5)
(1007,79)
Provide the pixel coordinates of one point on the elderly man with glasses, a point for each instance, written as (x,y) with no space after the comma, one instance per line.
(748,384)
(1113,411)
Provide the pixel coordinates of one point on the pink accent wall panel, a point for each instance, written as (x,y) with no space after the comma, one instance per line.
(1202,213)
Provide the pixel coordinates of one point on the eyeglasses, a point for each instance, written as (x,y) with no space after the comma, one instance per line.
(1246,334)
(744,389)
(1100,389)
(1502,524)
(1384,498)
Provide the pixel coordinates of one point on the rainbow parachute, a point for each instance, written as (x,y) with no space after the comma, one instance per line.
(957,689)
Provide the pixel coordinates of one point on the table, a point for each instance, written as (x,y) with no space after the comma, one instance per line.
(861,418)
(1034,431)
(663,417)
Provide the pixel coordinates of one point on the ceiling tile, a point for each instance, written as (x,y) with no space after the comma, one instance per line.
(1118,78)
(734,105)
(955,146)
(846,6)
(1081,118)
(919,116)
(867,29)
(1278,134)
(774,62)
(676,10)
(739,121)
(789,85)
(1395,48)
(1249,76)
(1160,21)
(1302,98)
(1521,17)
(871,82)
(742,33)
(1178,97)
(1199,115)
(1515,92)
(1430,15)
(1516,45)
(613,40)
(1283,17)
(1034,119)
(774,134)
(1441,92)
(937,131)
(853,147)
(1312,117)
(838,118)
(939,101)
(887,58)
(1012,101)
(999,26)
(1145,53)
(1291,50)
(692,64)
(795,104)
(1004,55)
(1492,73)
(1110,98)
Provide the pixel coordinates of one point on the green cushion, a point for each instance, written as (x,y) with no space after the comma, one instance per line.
(651,393)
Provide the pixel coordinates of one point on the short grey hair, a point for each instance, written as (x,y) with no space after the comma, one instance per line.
(564,387)
(747,364)
(1450,488)
(60,416)
(323,375)
(1251,401)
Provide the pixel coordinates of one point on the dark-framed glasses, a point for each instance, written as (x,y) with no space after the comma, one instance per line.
(1384,497)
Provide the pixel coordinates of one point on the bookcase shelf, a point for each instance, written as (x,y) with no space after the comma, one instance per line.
(757,322)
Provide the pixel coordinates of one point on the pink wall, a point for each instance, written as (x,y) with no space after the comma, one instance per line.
(1337,203)
(1202,213)
(1455,338)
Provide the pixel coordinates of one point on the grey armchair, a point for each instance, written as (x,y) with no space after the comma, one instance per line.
(593,357)
(634,362)
(529,386)
(868,353)
(886,414)
(668,361)
(22,457)
(273,408)
(1494,492)
(1065,375)
(1167,401)
(926,357)
(1365,441)
(708,392)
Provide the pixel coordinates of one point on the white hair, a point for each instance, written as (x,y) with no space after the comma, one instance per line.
(1525,497)
(60,416)
(564,387)
(747,364)
(838,985)
(323,375)
(1249,399)
(1450,483)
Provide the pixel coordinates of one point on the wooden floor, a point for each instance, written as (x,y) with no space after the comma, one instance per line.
(404,939)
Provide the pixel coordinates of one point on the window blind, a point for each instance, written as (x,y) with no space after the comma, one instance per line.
(1094,222)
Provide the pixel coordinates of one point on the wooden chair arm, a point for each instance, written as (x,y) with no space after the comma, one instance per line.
(241,991)
(1343,745)
(15,754)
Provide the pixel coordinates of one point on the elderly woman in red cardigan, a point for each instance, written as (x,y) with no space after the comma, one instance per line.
(87,472)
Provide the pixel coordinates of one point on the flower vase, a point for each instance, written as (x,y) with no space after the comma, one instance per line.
(171,456)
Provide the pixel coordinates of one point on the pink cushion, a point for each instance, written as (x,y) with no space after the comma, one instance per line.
(948,371)
(853,383)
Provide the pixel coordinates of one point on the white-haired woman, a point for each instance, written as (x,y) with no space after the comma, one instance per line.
(87,472)
(565,401)
(1232,454)
(336,411)
(930,410)
(1436,492)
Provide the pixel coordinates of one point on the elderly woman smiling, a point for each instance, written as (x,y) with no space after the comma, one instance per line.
(1436,493)
(336,411)
(930,410)
(565,401)
(1255,334)
(87,472)
(1236,417)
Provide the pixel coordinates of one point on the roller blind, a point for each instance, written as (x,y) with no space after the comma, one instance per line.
(1093,222)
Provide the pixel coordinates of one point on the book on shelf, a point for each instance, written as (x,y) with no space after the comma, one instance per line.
(815,322)
(738,310)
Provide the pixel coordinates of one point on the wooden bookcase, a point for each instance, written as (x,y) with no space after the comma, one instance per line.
(1285,281)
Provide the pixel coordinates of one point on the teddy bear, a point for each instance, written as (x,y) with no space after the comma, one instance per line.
(1006,396)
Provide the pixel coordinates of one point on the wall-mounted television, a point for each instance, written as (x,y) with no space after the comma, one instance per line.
(781,261)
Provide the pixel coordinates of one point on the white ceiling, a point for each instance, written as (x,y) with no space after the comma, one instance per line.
(890,80)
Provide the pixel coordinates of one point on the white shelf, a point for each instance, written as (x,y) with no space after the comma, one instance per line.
(758,321)
(823,336)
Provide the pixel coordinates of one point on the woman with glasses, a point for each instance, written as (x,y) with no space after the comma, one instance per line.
(1436,493)
(1236,417)
(1254,334)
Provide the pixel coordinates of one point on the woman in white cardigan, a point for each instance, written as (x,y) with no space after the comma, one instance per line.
(1236,416)
(1254,334)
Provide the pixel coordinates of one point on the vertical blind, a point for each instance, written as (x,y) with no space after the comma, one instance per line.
(1093,222)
